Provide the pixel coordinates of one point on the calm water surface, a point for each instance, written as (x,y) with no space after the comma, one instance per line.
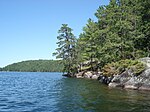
(50,92)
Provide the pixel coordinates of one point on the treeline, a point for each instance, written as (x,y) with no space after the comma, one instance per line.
(35,66)
(122,31)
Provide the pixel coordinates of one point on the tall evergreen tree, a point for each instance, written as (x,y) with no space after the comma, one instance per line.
(88,41)
(66,45)
(118,25)
(144,11)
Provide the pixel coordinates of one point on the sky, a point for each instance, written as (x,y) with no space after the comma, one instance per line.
(29,28)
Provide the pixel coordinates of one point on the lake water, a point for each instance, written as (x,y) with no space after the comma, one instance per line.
(51,92)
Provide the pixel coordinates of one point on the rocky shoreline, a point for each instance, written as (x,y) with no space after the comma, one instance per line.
(125,80)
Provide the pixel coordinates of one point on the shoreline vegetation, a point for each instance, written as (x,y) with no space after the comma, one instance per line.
(115,49)
(127,75)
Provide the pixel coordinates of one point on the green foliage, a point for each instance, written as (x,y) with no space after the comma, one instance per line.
(122,31)
(36,66)
(115,68)
(66,48)
(144,42)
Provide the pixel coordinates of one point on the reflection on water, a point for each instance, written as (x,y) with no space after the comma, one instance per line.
(90,96)
(50,92)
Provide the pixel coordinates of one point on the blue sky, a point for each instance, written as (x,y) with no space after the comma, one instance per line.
(28,28)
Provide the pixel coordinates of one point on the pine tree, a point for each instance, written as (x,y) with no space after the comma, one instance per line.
(88,41)
(143,7)
(66,45)
(118,25)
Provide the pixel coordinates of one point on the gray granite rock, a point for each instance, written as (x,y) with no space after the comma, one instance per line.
(95,77)
(113,85)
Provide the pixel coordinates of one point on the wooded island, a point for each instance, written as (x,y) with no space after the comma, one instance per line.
(35,66)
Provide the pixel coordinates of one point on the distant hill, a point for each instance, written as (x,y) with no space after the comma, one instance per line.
(35,66)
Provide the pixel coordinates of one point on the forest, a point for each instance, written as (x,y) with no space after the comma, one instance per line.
(121,32)
(35,66)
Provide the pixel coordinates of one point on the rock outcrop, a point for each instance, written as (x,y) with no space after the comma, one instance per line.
(126,80)
(146,60)
(88,75)
(129,81)
(104,79)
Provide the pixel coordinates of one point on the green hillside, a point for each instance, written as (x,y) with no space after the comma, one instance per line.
(35,66)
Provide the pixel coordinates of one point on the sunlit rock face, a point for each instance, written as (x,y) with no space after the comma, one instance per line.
(146,60)
(128,81)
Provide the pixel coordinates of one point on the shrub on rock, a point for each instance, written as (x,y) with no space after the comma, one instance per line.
(116,68)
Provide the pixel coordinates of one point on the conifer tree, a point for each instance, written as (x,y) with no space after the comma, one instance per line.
(88,41)
(66,45)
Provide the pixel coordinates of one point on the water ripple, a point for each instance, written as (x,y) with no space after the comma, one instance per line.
(50,92)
